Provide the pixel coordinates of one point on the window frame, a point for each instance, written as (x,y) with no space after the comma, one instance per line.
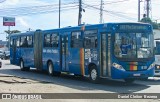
(96,40)
(51,40)
(81,38)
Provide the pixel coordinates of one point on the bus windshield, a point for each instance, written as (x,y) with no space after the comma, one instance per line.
(133,45)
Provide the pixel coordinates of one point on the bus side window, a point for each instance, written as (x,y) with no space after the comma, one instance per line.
(76,40)
(24,42)
(47,40)
(11,42)
(30,41)
(90,39)
(18,42)
(54,40)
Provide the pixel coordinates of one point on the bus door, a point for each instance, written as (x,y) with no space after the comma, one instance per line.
(64,52)
(105,55)
(14,50)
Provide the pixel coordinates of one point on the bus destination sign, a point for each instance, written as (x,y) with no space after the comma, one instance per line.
(132,27)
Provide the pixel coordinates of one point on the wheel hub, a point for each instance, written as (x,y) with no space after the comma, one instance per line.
(93,74)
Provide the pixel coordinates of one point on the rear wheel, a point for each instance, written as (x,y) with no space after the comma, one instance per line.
(50,68)
(93,74)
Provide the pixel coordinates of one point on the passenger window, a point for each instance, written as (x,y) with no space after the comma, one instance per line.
(18,42)
(30,40)
(11,42)
(47,40)
(76,40)
(54,40)
(90,39)
(24,42)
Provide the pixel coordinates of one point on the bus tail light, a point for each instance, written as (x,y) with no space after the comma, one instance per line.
(151,66)
(118,66)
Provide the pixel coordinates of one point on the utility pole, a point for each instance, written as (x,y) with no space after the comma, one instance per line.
(80,12)
(59,13)
(147,8)
(138,10)
(101,12)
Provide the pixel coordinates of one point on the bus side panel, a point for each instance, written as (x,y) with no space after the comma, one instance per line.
(27,55)
(51,54)
(74,64)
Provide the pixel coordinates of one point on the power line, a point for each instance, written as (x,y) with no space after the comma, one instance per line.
(111,12)
(40,12)
(34,9)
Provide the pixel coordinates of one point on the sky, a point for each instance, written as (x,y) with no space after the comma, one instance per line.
(43,14)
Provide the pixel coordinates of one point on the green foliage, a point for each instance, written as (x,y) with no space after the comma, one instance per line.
(148,20)
(12,31)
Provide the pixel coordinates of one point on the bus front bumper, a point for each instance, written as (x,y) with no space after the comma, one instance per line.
(120,74)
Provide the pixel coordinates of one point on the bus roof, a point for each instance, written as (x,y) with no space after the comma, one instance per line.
(94,26)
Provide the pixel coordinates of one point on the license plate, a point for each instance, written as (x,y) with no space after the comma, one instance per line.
(136,74)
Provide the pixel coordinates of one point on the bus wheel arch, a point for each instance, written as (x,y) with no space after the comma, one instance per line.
(93,73)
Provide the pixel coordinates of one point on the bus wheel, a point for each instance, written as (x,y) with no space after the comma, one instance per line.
(129,81)
(93,74)
(22,65)
(50,68)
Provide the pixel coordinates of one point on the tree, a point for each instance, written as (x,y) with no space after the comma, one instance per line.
(12,31)
(148,20)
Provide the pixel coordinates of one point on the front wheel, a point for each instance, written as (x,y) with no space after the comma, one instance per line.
(22,65)
(93,74)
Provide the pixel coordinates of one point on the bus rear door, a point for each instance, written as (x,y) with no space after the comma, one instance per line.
(105,55)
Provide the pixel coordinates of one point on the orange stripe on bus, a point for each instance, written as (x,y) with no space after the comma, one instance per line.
(82,61)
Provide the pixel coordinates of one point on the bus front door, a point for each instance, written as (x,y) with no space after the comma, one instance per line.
(105,55)
(14,51)
(64,52)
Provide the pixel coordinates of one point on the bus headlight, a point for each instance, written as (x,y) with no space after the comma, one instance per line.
(118,66)
(151,66)
(158,67)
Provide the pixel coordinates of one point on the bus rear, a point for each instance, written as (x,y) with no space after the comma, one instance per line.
(133,52)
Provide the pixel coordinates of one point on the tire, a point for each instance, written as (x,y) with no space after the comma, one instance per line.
(93,74)
(129,81)
(22,65)
(50,68)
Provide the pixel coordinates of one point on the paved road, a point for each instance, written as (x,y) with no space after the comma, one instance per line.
(15,81)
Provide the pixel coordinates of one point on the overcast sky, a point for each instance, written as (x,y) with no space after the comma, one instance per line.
(43,14)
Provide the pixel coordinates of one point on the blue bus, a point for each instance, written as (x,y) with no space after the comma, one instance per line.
(109,50)
(157,57)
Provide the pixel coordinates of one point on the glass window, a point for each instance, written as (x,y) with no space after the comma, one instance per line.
(76,40)
(157,47)
(11,42)
(133,45)
(24,42)
(90,39)
(47,40)
(30,40)
(54,40)
(18,42)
